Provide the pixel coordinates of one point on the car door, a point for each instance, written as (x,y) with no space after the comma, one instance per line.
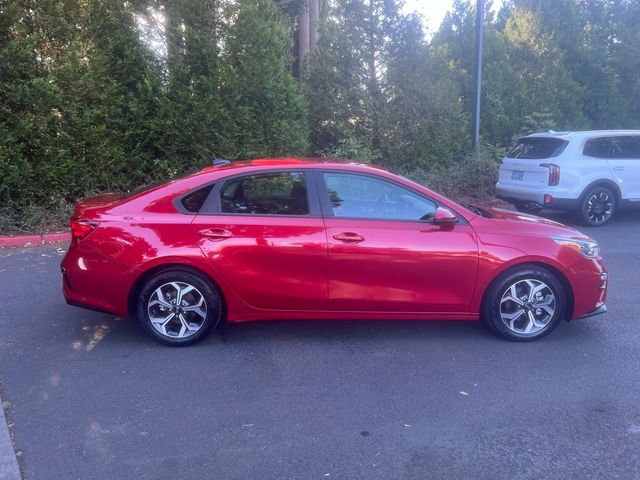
(386,254)
(624,164)
(264,234)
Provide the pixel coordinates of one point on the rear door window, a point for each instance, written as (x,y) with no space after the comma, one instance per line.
(626,147)
(537,148)
(283,193)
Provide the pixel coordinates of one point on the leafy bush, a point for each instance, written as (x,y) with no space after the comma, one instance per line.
(86,107)
(471,179)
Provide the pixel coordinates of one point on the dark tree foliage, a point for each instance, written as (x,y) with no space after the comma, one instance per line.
(107,95)
(87,106)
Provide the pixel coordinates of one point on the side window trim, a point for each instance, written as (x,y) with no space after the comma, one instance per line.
(212,205)
(327,210)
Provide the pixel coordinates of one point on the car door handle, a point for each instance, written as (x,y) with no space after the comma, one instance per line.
(618,169)
(349,237)
(216,233)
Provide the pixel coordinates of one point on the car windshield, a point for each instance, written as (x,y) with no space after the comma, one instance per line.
(537,148)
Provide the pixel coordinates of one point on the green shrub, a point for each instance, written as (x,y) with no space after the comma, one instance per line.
(470,179)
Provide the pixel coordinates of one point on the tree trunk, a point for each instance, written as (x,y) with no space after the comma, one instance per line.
(374,86)
(314,16)
(303,37)
(175,39)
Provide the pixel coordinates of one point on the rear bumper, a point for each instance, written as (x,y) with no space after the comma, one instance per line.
(545,199)
(511,194)
(91,290)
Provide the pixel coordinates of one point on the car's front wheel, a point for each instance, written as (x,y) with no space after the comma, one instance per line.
(524,304)
(179,307)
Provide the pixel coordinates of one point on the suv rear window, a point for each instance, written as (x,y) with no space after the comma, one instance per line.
(537,148)
(601,147)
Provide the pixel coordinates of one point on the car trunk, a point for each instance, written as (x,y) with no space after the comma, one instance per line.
(88,207)
(523,173)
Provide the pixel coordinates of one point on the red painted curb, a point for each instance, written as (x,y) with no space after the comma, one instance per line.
(28,240)
(56,237)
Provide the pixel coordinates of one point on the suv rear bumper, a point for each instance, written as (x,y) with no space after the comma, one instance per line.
(544,199)
(525,194)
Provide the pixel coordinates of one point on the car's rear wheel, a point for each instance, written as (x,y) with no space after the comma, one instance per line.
(527,206)
(597,206)
(179,307)
(524,303)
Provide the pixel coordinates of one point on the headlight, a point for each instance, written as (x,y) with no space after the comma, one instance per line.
(588,248)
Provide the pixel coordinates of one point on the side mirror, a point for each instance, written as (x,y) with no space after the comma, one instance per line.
(444,216)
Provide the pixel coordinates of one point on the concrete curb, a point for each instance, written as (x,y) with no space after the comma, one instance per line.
(9,469)
(29,240)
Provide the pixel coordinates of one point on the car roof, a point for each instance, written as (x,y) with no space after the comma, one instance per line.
(305,162)
(582,134)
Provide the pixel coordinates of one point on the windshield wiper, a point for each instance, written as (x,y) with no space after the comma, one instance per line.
(478,211)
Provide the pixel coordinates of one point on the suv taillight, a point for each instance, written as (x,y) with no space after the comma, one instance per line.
(81,228)
(554,173)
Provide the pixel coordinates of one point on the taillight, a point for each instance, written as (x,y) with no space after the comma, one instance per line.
(554,173)
(81,228)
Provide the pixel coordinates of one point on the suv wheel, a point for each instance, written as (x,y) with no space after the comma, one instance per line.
(597,206)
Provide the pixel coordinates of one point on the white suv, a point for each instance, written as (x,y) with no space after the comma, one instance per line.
(591,173)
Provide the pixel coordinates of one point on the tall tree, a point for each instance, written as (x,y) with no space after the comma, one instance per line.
(269,110)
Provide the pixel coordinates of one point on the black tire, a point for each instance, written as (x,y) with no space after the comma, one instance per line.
(203,321)
(527,206)
(597,206)
(491,308)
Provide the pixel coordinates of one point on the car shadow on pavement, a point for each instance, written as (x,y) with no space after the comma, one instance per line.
(277,332)
(102,328)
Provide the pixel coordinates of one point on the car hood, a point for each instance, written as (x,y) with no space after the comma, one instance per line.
(530,224)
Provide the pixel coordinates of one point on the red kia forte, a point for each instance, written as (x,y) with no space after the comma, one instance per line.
(318,239)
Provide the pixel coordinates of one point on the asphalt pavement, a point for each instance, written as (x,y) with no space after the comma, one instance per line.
(91,396)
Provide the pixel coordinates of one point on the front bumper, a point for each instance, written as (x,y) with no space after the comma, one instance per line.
(598,311)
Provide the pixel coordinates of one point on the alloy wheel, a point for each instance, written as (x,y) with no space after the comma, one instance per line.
(599,207)
(177,309)
(527,307)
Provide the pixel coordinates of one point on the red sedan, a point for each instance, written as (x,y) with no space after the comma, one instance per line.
(317,239)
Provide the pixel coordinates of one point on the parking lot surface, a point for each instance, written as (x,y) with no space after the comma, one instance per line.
(91,396)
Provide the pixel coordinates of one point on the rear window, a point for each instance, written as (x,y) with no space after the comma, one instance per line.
(601,147)
(193,202)
(537,148)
